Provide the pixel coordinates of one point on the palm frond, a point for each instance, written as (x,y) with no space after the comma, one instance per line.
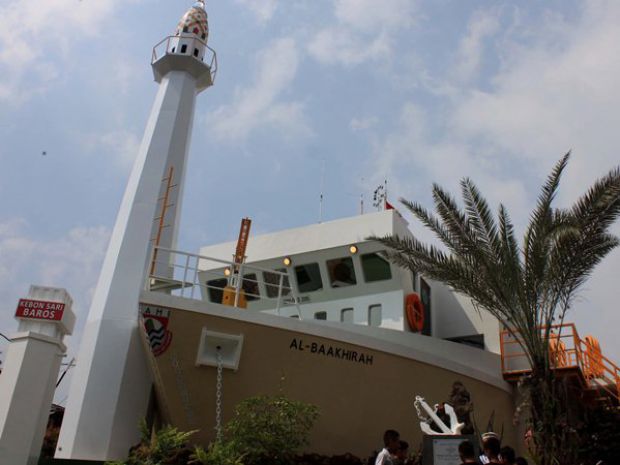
(480,217)
(536,242)
(432,222)
(526,287)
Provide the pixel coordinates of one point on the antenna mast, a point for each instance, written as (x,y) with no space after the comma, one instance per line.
(362,199)
(321,196)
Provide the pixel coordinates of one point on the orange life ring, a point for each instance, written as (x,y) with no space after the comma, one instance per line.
(414,308)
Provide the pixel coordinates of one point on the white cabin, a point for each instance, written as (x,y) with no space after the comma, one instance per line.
(332,272)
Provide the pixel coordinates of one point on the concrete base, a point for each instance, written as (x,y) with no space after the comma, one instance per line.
(442,450)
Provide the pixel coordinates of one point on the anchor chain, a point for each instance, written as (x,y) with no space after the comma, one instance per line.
(218,397)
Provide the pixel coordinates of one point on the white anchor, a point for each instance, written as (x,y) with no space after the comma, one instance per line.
(431,417)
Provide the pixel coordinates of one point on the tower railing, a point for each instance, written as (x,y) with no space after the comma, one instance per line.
(188,275)
(167,46)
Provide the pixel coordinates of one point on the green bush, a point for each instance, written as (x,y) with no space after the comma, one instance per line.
(219,453)
(167,446)
(268,430)
(265,430)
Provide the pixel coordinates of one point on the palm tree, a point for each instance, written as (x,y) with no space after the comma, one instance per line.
(526,287)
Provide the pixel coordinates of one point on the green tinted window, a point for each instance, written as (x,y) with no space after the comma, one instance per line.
(375,267)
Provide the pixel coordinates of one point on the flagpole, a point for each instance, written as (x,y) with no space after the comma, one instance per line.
(385,191)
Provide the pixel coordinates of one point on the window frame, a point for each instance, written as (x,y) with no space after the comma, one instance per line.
(370,308)
(330,270)
(364,273)
(320,274)
(212,288)
(286,283)
(348,310)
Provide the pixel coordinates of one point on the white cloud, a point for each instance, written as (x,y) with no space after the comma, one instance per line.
(123,145)
(342,46)
(262,9)
(363,32)
(412,160)
(33,34)
(371,15)
(558,92)
(556,89)
(118,146)
(261,104)
(482,25)
(362,124)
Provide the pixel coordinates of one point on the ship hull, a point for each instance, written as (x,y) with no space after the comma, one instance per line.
(362,381)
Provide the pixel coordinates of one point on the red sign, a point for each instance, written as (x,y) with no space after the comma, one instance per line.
(39,310)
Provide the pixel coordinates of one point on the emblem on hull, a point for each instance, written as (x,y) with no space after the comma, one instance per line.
(155,321)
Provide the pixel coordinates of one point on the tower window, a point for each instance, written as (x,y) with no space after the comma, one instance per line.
(184,48)
(203,36)
(185,29)
(320,316)
(196,52)
(346,315)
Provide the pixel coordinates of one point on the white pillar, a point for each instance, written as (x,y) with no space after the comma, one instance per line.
(28,379)
(111,382)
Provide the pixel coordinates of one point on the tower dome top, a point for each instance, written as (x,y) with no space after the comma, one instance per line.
(195,21)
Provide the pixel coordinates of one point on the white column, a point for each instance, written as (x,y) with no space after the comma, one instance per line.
(28,380)
(111,383)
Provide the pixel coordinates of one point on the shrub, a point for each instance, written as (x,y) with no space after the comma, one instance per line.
(219,453)
(270,430)
(264,431)
(167,446)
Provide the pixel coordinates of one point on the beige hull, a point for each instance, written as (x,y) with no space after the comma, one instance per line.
(358,396)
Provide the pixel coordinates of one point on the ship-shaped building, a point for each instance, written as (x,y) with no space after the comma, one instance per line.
(315,313)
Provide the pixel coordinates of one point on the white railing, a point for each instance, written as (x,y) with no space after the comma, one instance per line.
(168,47)
(181,273)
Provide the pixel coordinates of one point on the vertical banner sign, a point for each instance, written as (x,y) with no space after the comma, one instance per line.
(39,310)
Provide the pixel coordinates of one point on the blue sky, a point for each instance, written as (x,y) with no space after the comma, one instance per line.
(412,91)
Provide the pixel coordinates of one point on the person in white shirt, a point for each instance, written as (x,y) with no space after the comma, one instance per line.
(391,442)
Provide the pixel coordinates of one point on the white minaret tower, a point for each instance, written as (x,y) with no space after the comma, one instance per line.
(111,383)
